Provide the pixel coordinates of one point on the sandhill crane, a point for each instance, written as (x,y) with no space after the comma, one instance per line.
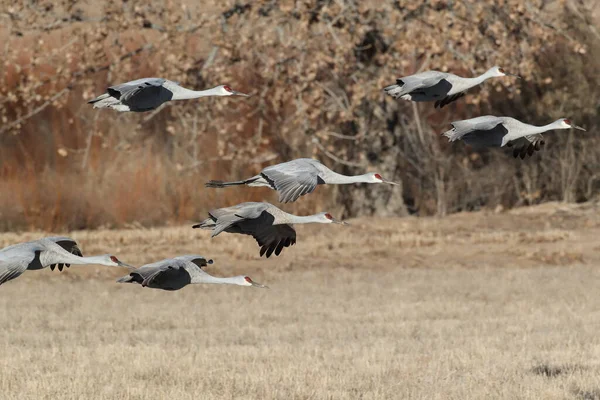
(441,87)
(149,93)
(296,178)
(490,131)
(47,252)
(175,273)
(271,227)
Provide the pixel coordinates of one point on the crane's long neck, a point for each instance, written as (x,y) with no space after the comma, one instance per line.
(286,218)
(206,278)
(184,94)
(533,130)
(339,179)
(471,82)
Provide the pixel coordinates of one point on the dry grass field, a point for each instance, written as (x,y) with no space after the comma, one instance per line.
(472,306)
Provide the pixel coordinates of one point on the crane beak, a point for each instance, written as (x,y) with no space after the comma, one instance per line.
(337,221)
(236,93)
(516,76)
(578,127)
(259,285)
(122,264)
(390,182)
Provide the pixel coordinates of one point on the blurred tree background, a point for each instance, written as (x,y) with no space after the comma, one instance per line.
(315,70)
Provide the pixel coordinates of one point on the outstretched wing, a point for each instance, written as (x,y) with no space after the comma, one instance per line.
(167,274)
(292,179)
(527,145)
(227,217)
(11,268)
(421,80)
(164,274)
(271,238)
(448,99)
(408,84)
(274,238)
(127,91)
(474,127)
(69,245)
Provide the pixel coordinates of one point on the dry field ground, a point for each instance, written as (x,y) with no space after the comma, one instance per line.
(480,305)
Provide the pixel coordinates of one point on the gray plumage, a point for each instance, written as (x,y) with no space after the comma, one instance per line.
(270,226)
(299,177)
(149,93)
(491,131)
(46,252)
(178,272)
(440,87)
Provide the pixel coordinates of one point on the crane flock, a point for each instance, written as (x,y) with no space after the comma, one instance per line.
(270,226)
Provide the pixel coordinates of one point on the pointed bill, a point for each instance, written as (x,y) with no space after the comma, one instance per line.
(259,285)
(337,221)
(236,93)
(122,264)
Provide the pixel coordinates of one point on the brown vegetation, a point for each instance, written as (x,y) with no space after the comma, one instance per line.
(470,306)
(316,69)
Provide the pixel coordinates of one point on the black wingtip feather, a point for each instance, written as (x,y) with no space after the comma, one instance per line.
(214,184)
(270,250)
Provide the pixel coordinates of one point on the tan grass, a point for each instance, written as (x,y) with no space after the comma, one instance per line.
(353,312)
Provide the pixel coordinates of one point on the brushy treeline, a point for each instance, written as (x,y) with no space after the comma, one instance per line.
(316,70)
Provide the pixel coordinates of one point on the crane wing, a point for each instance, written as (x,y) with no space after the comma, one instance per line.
(271,238)
(408,84)
(526,145)
(69,245)
(421,80)
(165,273)
(226,218)
(292,179)
(157,274)
(11,268)
(126,91)
(448,99)
(200,262)
(473,126)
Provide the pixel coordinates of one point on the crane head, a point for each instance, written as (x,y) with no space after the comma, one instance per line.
(225,90)
(246,281)
(566,123)
(377,178)
(327,218)
(499,71)
(115,261)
